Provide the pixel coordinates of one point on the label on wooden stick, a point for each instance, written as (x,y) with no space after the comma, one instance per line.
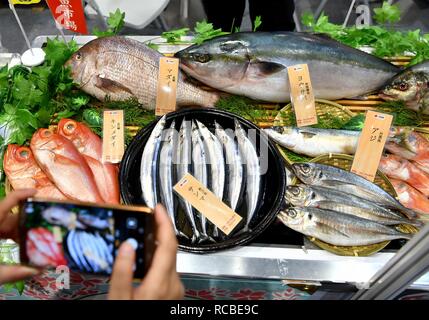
(207,203)
(371,144)
(113,136)
(301,95)
(167,85)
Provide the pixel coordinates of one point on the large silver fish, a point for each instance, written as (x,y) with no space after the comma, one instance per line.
(348,182)
(184,166)
(199,163)
(255,65)
(410,86)
(234,166)
(337,228)
(329,199)
(166,172)
(314,142)
(253,175)
(148,166)
(216,162)
(121,68)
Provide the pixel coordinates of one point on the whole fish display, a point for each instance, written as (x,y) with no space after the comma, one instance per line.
(148,165)
(234,166)
(23,172)
(216,163)
(410,197)
(345,181)
(329,199)
(184,166)
(399,168)
(410,86)
(199,164)
(90,146)
(338,229)
(166,172)
(224,160)
(314,142)
(63,217)
(65,166)
(121,68)
(253,175)
(255,65)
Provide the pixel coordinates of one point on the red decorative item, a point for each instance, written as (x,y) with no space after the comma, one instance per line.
(69,14)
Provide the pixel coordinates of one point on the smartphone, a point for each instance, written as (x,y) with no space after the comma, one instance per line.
(83,236)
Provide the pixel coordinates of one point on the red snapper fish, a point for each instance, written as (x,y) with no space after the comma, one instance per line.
(90,146)
(65,166)
(399,168)
(23,172)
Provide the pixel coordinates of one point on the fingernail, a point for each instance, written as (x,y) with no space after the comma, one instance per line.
(126,249)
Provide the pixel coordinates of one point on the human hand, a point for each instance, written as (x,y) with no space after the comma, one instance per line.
(10,274)
(9,221)
(162,280)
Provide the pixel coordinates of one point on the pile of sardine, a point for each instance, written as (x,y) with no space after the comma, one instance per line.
(226,163)
(342,208)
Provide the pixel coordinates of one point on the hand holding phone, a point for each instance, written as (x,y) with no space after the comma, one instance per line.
(84,237)
(162,280)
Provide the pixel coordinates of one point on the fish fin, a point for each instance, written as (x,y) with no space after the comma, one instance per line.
(363,97)
(307,135)
(267,68)
(321,35)
(109,85)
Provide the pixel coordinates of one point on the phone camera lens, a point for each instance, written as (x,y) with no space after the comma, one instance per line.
(131,223)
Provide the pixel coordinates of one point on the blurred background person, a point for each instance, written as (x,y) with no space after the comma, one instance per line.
(276,15)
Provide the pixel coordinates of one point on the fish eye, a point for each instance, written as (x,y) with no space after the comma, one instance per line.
(46,133)
(78,56)
(403,86)
(70,126)
(295,191)
(310,216)
(291,213)
(305,168)
(313,195)
(23,153)
(202,57)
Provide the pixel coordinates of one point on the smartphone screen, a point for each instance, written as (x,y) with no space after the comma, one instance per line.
(84,237)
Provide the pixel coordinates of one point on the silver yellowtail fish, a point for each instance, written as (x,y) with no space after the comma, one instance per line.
(329,199)
(337,228)
(410,86)
(121,68)
(348,182)
(255,65)
(314,142)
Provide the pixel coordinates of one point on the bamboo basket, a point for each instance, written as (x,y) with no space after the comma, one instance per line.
(345,162)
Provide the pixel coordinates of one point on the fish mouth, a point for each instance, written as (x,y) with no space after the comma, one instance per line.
(386,97)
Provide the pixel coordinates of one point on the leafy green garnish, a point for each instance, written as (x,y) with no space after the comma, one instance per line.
(205,31)
(355,123)
(257,23)
(387,13)
(402,116)
(115,24)
(175,36)
(384,41)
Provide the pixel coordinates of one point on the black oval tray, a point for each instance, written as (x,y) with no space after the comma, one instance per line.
(273,182)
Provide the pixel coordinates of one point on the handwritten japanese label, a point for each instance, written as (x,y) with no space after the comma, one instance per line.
(167,85)
(113,136)
(371,144)
(69,14)
(301,95)
(207,204)
(25,1)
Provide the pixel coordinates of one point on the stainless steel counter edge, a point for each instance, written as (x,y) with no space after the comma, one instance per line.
(286,262)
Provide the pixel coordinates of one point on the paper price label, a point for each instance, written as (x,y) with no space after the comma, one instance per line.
(207,203)
(113,136)
(25,1)
(301,95)
(371,144)
(167,85)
